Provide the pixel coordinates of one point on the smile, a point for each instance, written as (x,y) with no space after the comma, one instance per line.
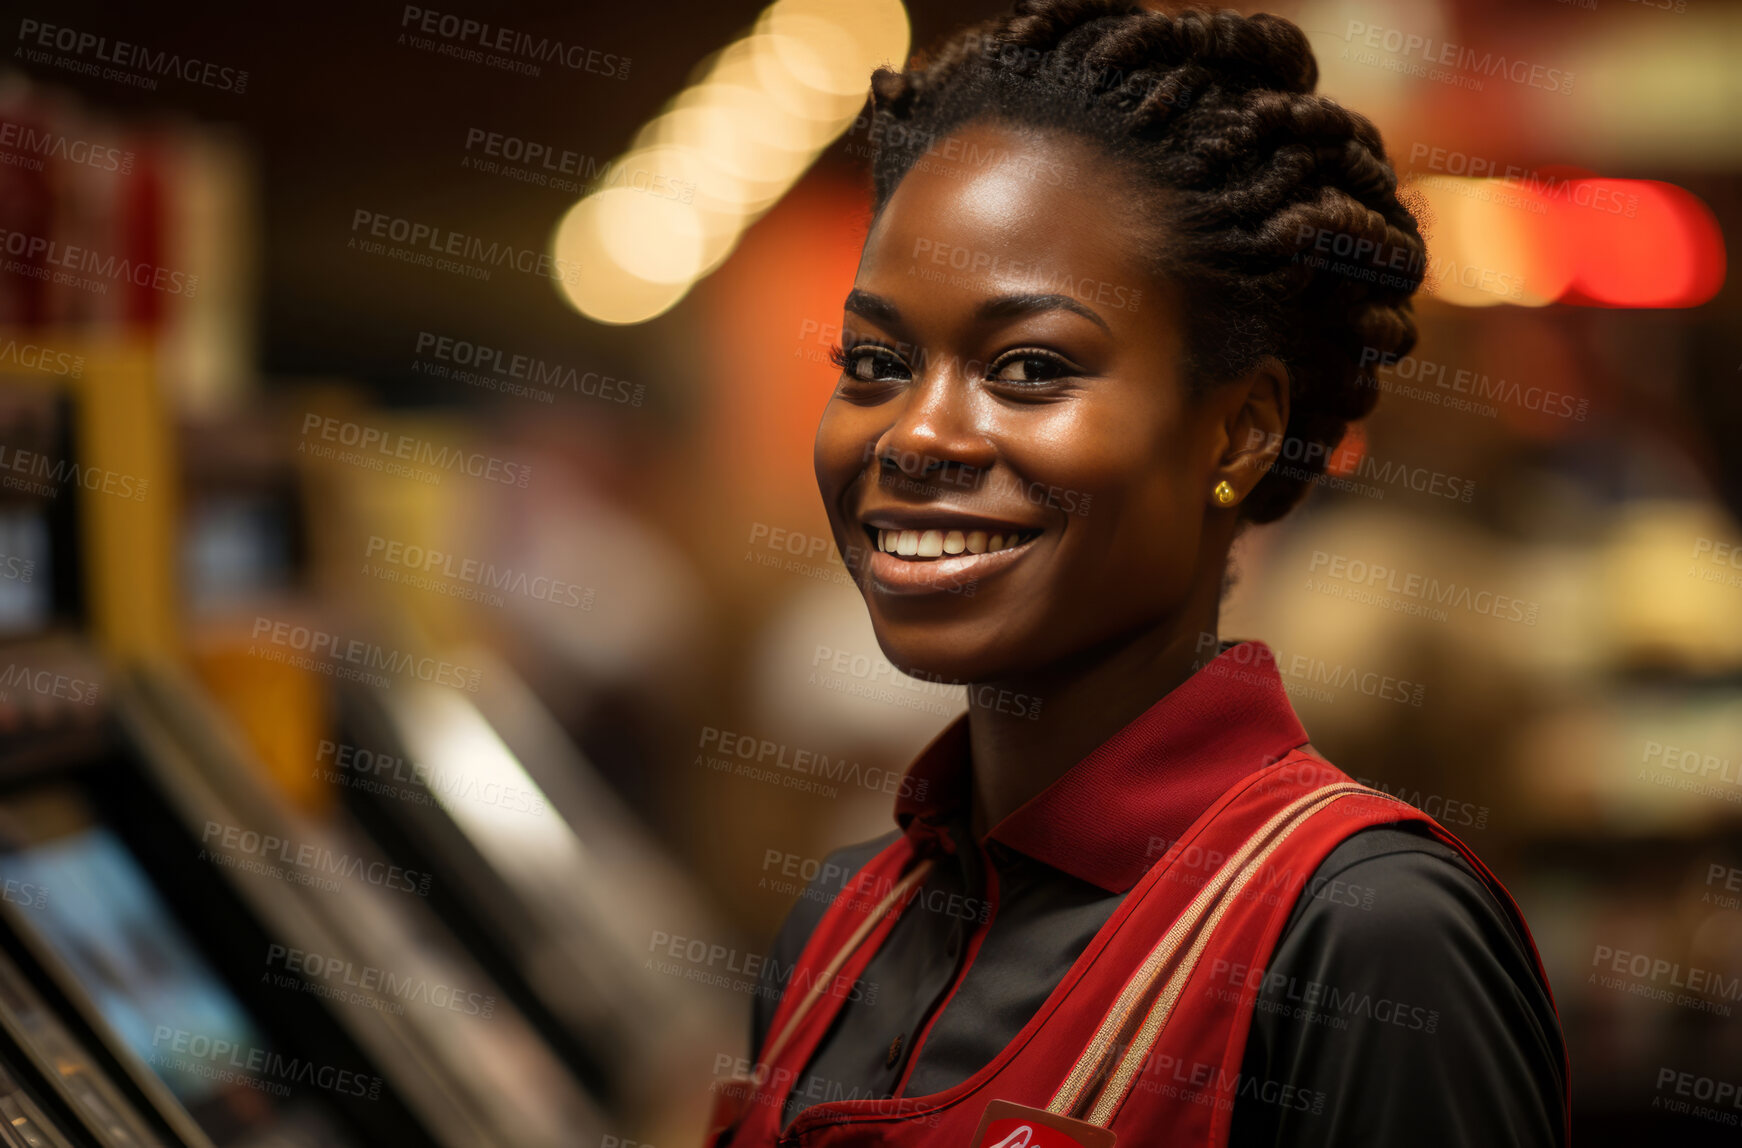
(929,560)
(926,545)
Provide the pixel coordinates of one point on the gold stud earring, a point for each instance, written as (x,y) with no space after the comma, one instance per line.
(1225,493)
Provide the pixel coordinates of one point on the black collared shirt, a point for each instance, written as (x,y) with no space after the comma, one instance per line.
(1400,1007)
(1401,1004)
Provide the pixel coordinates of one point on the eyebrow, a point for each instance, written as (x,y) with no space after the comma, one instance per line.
(879,309)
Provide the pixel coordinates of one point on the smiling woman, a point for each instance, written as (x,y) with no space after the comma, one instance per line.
(1120,261)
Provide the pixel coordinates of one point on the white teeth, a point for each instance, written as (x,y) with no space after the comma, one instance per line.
(937,543)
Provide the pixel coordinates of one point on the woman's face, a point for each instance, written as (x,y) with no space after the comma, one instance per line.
(1012,370)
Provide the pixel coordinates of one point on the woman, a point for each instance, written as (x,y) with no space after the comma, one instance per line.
(1117,260)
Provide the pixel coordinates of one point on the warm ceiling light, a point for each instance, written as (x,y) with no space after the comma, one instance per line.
(1589,242)
(757,115)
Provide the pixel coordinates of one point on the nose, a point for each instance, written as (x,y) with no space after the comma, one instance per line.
(936,427)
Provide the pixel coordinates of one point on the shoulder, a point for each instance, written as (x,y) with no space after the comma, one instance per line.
(1400,886)
(1399,972)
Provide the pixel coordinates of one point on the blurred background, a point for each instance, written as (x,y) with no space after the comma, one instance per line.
(428,679)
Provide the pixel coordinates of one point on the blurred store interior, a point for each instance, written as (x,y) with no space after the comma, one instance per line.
(412,663)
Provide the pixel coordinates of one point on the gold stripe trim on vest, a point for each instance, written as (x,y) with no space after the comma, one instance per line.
(846,951)
(1102,1045)
(1120,1081)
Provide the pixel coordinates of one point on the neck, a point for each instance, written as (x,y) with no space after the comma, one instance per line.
(1083,702)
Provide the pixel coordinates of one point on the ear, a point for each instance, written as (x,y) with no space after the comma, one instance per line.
(1253,422)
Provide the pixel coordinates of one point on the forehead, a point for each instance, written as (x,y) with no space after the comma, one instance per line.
(1012,208)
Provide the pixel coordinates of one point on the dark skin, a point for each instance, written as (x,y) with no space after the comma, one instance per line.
(995,375)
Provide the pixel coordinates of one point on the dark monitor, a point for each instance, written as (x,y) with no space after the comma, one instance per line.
(85,896)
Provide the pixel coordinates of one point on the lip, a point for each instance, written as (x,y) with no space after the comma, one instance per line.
(939,518)
(893,575)
(890,574)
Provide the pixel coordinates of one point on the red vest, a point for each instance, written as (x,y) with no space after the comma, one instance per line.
(1142,1039)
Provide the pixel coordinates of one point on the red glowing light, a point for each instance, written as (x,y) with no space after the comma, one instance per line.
(1637,243)
(1347,454)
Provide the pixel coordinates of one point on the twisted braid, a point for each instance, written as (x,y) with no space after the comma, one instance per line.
(1274,208)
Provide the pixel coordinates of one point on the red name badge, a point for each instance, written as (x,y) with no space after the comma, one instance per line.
(1009,1125)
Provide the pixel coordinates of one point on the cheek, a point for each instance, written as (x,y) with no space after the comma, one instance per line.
(1136,462)
(1129,459)
(842,443)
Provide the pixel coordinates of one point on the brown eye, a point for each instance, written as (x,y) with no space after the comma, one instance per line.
(1029,367)
(869,364)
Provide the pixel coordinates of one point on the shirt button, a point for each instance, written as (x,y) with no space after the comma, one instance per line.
(890,1060)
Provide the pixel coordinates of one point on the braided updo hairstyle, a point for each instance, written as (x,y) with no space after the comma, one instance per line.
(1273,209)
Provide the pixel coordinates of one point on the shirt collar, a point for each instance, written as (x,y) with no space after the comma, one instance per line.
(1112,814)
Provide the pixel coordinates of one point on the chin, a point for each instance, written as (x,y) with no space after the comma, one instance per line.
(940,652)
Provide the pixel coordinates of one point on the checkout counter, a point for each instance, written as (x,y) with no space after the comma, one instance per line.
(438,940)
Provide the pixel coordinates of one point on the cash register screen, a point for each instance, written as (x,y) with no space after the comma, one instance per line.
(86,896)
